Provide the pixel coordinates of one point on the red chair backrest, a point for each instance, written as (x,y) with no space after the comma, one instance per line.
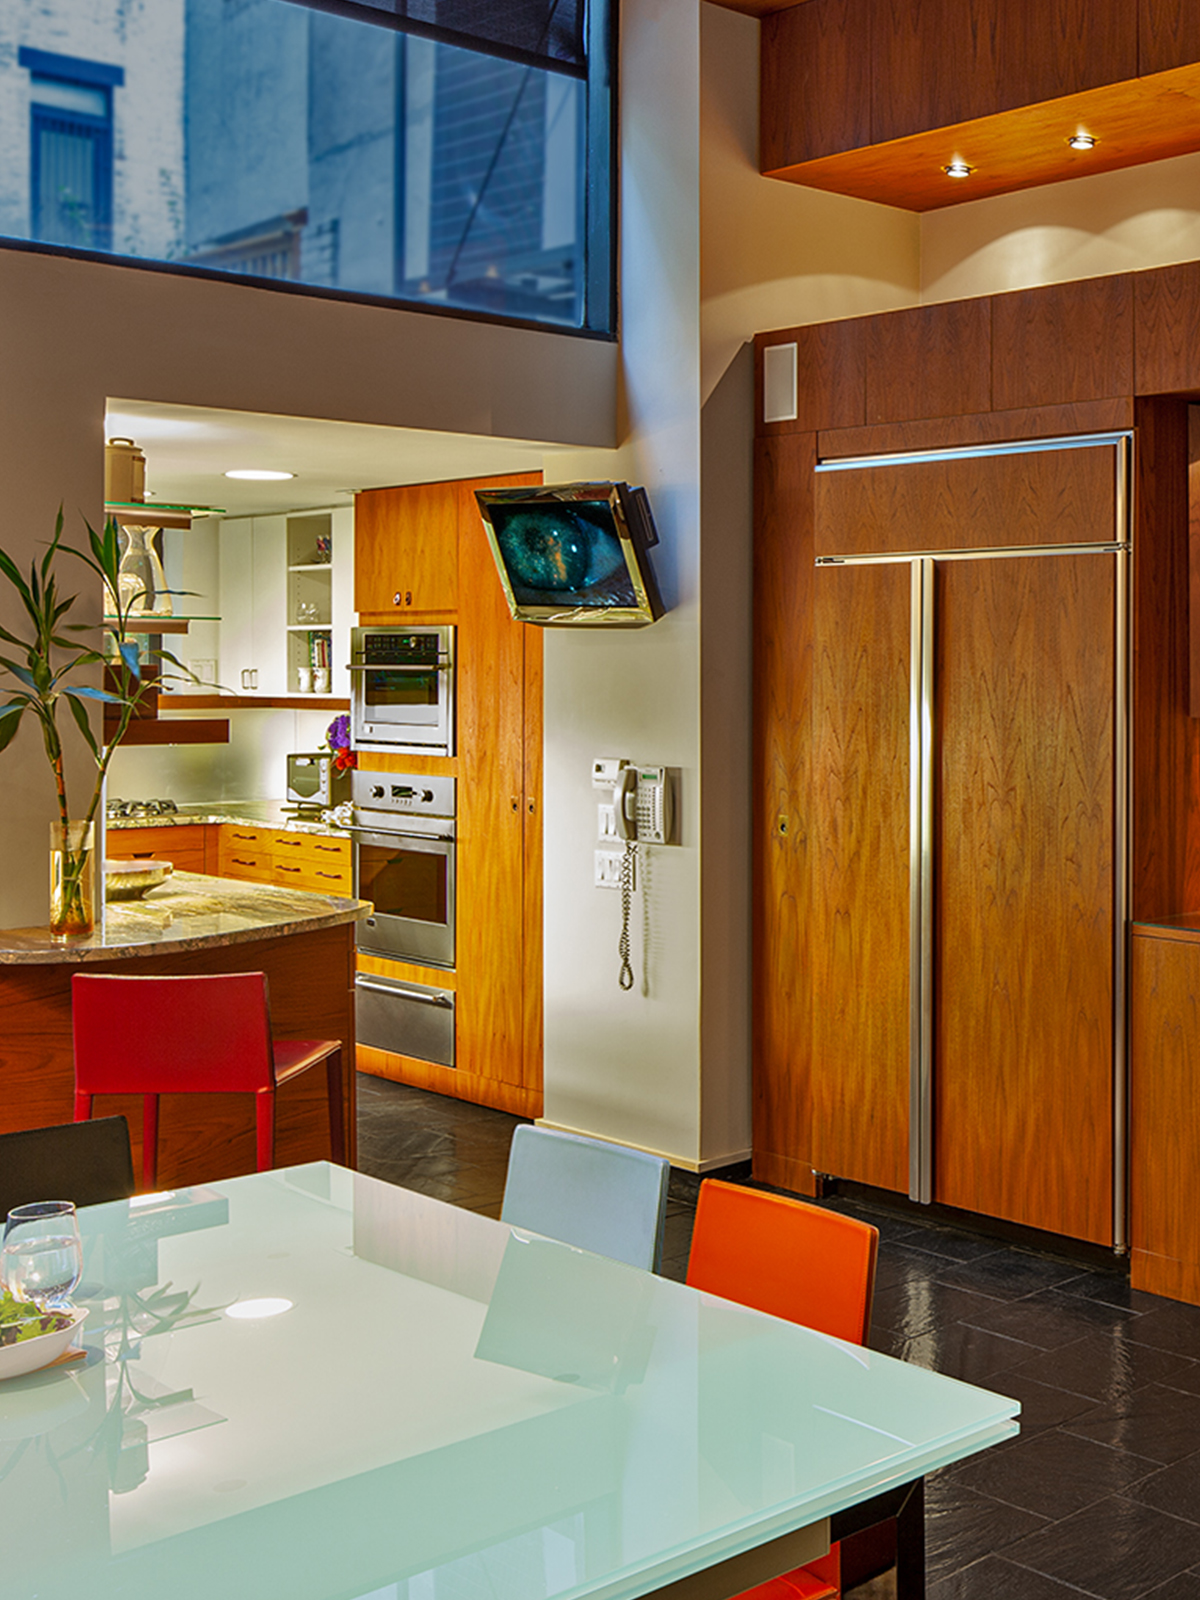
(782,1256)
(158,1035)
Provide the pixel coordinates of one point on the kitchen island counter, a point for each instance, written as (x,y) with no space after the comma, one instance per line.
(190,925)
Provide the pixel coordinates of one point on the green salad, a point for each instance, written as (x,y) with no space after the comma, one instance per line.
(21,1319)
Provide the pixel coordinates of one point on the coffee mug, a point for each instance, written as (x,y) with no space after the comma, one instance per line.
(304,679)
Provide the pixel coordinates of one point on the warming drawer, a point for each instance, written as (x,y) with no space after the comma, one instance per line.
(409,1019)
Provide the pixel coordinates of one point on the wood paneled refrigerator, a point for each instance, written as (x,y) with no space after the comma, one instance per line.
(968,839)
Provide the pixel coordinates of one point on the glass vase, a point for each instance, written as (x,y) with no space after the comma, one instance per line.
(72,879)
(140,578)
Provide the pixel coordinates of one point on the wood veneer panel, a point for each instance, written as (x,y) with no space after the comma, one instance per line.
(459,1084)
(932,64)
(969,503)
(1165,828)
(1063,344)
(782,995)
(533,963)
(1165,1133)
(1167,330)
(831,385)
(1144,119)
(1168,34)
(1050,48)
(930,361)
(988,427)
(201,1137)
(406,545)
(815,75)
(860,873)
(1024,891)
(492,827)
(1194,561)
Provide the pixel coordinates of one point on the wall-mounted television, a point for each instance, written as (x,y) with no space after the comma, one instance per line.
(574,554)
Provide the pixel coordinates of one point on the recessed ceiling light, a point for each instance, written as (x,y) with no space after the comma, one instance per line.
(1082,141)
(252,1310)
(958,169)
(259,474)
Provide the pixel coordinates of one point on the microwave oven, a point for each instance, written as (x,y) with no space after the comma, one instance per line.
(402,689)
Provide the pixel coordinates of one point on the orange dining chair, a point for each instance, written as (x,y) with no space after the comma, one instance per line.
(191,1035)
(795,1261)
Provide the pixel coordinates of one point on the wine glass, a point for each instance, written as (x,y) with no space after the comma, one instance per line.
(42,1256)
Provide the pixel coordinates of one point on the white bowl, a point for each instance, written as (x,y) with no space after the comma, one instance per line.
(27,1355)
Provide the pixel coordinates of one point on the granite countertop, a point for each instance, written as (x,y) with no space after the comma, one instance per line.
(253,813)
(188,912)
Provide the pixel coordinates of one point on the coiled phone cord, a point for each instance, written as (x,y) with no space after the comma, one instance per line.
(628,860)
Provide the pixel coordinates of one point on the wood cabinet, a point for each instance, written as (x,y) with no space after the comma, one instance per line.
(874,97)
(320,863)
(185,845)
(498,978)
(407,552)
(1029,719)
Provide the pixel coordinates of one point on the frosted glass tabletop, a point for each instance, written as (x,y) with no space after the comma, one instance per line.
(313,1385)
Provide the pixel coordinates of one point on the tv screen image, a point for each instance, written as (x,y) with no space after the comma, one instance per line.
(574,554)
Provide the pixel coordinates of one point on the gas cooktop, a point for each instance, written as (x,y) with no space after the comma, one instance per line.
(121,809)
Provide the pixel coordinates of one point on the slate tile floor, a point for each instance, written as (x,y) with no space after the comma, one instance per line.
(1100,1494)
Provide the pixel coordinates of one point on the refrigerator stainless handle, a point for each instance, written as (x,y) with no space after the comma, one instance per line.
(921,774)
(401,991)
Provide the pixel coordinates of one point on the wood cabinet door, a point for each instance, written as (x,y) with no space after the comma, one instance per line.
(406,551)
(859,850)
(1024,890)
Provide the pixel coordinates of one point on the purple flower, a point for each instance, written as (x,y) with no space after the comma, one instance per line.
(337,735)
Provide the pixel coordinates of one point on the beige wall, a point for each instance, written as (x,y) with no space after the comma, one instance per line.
(73,333)
(1113,222)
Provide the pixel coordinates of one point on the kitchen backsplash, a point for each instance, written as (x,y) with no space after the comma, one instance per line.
(252,766)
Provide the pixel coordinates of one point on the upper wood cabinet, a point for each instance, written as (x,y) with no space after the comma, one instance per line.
(874,97)
(406,551)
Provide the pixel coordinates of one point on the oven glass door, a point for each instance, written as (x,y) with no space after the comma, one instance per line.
(410,881)
(411,696)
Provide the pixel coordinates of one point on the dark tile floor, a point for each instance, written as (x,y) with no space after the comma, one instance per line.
(1100,1494)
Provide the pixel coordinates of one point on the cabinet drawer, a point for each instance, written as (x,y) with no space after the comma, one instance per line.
(183,846)
(245,838)
(314,849)
(241,863)
(306,875)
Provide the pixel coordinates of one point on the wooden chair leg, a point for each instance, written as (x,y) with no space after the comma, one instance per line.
(337,1120)
(150,1142)
(265,1108)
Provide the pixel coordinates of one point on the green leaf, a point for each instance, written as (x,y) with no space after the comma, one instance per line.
(129,655)
(10,721)
(81,721)
(102,696)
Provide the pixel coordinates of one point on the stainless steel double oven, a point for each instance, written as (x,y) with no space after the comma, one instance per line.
(404,848)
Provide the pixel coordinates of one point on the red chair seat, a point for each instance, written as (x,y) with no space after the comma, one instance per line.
(191,1035)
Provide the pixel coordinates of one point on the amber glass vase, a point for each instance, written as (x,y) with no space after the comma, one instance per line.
(72,879)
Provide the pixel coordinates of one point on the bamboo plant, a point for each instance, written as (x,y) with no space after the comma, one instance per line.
(46,669)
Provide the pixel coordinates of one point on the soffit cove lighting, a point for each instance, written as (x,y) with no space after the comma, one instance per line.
(258,474)
(1082,141)
(958,168)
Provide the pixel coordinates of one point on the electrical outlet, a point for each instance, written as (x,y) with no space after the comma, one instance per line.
(606,822)
(608,869)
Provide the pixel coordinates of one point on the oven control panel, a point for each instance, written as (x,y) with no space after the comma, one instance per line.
(411,794)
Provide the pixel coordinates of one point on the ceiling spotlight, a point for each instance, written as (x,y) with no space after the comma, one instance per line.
(1082,141)
(958,169)
(259,474)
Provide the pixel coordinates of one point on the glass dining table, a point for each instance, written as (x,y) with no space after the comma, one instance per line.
(308,1384)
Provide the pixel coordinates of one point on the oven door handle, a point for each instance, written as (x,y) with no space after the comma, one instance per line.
(393,841)
(398,666)
(401,991)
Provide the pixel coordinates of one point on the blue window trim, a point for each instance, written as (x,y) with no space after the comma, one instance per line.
(72,69)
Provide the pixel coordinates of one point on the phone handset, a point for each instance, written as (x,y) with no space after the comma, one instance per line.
(625,794)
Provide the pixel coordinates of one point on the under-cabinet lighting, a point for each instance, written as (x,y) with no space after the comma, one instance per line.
(259,474)
(958,169)
(1082,141)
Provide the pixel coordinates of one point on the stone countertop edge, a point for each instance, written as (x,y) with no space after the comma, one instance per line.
(188,912)
(249,814)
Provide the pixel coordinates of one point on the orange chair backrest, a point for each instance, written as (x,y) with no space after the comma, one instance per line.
(148,1035)
(782,1256)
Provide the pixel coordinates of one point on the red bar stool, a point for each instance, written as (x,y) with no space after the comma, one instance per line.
(202,1035)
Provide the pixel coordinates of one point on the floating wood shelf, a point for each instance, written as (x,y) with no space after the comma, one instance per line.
(237,702)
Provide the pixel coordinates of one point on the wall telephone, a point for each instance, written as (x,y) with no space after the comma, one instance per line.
(643,802)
